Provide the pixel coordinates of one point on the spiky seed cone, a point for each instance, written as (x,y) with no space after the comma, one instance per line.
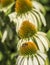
(28,48)
(27,29)
(23,6)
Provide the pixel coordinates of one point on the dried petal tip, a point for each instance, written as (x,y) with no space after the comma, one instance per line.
(28,48)
(27,29)
(23,6)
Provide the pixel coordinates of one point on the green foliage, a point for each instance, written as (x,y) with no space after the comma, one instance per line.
(48,34)
(8,46)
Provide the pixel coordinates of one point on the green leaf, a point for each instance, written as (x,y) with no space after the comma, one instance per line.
(48,35)
(1,56)
(0,35)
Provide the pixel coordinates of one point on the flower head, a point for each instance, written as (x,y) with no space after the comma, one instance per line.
(29,54)
(26,10)
(34,16)
(27,29)
(28,48)
(23,6)
(39,39)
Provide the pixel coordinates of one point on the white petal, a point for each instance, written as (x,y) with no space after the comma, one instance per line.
(44,41)
(38,6)
(41,33)
(19,22)
(34,19)
(4,36)
(43,19)
(38,17)
(19,60)
(29,18)
(43,55)
(30,61)
(40,45)
(35,62)
(25,61)
(41,61)
(12,17)
(41,16)
(22,63)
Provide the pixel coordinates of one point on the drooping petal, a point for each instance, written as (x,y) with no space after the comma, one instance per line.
(41,16)
(41,61)
(30,61)
(35,62)
(44,41)
(38,6)
(40,45)
(25,61)
(42,55)
(19,60)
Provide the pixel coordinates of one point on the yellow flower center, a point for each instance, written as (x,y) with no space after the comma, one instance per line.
(27,29)
(28,48)
(23,6)
(5,2)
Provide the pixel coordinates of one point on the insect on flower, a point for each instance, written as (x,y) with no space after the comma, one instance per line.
(29,54)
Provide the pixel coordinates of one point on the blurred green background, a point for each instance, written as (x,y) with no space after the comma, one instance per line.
(8,49)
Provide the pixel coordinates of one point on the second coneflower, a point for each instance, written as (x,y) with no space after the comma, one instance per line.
(27,29)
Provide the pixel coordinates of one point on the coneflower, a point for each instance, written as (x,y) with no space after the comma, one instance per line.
(27,31)
(26,10)
(28,54)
